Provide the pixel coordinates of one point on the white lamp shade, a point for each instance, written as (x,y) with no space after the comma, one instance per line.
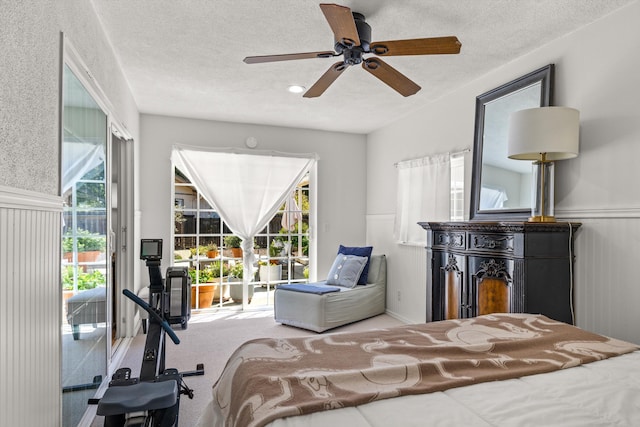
(550,130)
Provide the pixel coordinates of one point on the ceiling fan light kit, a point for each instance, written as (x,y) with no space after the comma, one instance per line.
(352,36)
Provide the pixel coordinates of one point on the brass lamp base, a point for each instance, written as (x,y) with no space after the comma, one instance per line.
(542,218)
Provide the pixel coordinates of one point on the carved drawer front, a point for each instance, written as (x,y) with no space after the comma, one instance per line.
(449,239)
(491,242)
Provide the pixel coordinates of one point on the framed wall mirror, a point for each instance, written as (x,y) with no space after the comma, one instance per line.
(501,187)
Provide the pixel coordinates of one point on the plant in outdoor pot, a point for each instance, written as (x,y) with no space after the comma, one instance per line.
(204,297)
(212,285)
(275,250)
(193,275)
(235,275)
(233,242)
(237,270)
(218,269)
(272,271)
(200,250)
(89,246)
(212,250)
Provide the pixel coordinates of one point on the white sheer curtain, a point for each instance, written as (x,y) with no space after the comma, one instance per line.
(245,187)
(492,198)
(78,159)
(424,194)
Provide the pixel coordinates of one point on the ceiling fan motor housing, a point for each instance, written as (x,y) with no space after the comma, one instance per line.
(352,53)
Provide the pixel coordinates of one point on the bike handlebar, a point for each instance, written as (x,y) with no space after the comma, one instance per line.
(165,325)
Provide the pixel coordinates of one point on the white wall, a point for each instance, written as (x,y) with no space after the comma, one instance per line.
(29,85)
(597,73)
(341,175)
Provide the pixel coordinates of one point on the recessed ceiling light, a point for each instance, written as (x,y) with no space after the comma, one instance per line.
(296,89)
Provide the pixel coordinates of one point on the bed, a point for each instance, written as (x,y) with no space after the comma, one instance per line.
(493,370)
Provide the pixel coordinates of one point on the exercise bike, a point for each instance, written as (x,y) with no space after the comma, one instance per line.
(153,399)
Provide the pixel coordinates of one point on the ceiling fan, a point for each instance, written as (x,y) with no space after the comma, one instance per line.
(352,40)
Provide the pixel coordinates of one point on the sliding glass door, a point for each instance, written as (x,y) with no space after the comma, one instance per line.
(85,258)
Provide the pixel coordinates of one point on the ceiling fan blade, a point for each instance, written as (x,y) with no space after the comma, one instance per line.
(389,75)
(342,24)
(428,46)
(326,80)
(288,57)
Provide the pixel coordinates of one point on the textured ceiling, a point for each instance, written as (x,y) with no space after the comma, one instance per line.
(184,58)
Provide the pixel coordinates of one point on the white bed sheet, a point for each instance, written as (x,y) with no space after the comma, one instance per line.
(603,393)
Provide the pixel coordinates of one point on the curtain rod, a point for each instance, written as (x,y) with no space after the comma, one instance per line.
(465,150)
(245,151)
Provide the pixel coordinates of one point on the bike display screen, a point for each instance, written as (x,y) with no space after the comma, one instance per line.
(151,249)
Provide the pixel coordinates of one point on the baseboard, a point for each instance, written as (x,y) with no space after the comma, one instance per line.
(398,317)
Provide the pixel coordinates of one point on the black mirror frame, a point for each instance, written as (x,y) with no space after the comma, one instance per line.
(545,76)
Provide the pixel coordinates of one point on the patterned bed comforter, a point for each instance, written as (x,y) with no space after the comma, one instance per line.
(266,379)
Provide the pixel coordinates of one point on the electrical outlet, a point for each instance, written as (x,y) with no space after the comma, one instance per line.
(399,296)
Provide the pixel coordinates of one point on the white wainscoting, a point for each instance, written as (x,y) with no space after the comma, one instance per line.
(607,285)
(30,309)
(606,271)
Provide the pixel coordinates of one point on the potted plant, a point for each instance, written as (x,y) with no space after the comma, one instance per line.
(270,273)
(235,275)
(200,250)
(275,250)
(233,242)
(212,250)
(89,246)
(236,271)
(212,284)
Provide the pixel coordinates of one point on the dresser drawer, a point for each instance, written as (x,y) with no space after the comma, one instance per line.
(489,242)
(449,239)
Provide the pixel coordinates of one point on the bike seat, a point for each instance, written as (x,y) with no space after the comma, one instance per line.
(143,396)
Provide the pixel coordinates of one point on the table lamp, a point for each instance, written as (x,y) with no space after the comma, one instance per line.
(543,135)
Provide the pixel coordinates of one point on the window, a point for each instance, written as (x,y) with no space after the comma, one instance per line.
(429,189)
(457,187)
(205,244)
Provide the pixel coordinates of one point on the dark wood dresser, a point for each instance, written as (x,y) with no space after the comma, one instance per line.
(476,268)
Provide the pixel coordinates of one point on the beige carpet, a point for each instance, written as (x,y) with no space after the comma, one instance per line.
(211,338)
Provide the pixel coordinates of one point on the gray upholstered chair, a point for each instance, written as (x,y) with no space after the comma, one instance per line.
(320,312)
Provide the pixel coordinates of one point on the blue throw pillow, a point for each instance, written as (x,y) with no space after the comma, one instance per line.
(346,270)
(359,251)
